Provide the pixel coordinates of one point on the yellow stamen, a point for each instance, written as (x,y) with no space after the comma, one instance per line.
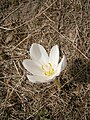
(48,69)
(43,67)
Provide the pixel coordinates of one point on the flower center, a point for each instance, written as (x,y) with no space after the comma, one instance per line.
(48,69)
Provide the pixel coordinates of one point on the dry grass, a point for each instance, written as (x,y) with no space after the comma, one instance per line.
(48,22)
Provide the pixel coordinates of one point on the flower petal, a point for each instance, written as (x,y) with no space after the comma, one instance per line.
(38,53)
(40,79)
(33,67)
(54,56)
(37,79)
(61,65)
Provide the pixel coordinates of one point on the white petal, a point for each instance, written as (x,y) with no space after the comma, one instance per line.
(54,56)
(37,79)
(33,67)
(40,79)
(35,52)
(38,53)
(61,65)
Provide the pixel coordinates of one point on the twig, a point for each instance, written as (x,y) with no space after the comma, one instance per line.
(66,38)
(4,28)
(11,13)
(28,118)
(48,18)
(87,50)
(32,18)
(21,42)
(13,88)
(8,77)
(16,68)
(28,36)
(73,77)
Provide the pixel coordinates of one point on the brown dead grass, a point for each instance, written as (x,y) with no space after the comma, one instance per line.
(47,22)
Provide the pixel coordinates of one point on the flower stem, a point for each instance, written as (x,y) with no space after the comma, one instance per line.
(57,82)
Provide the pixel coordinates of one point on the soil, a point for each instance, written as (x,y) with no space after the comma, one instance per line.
(47,22)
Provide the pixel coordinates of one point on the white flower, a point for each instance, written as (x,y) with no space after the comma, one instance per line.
(44,68)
